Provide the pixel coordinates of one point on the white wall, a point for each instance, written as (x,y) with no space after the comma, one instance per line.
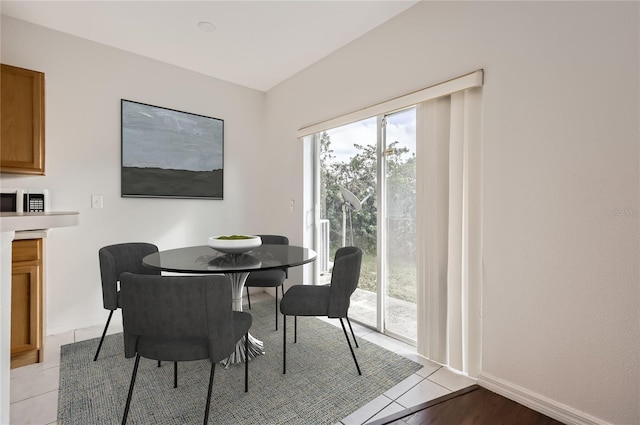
(84,84)
(561,177)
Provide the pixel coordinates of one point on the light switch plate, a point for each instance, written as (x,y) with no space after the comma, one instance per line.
(96,201)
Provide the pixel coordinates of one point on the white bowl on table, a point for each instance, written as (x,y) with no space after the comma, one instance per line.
(234,246)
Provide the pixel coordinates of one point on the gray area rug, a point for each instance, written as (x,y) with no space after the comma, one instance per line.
(321,386)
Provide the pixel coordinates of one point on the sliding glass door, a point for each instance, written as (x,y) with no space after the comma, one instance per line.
(348,210)
(422,243)
(398,238)
(367,199)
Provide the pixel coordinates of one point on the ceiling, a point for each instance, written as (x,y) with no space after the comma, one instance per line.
(256,44)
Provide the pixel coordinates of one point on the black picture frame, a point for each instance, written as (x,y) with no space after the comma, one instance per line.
(170,154)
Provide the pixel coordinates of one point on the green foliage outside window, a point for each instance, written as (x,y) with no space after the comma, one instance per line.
(358,175)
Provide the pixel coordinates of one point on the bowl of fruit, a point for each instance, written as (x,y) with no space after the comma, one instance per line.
(234,244)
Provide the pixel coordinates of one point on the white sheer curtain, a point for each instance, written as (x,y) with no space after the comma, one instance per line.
(450,229)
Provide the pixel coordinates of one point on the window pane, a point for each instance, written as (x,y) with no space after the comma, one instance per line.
(400,221)
(348,160)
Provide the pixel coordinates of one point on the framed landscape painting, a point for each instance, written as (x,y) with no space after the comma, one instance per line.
(170,154)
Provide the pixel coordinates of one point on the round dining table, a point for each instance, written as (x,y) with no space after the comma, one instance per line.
(206,260)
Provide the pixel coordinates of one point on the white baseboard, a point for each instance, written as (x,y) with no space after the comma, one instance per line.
(537,402)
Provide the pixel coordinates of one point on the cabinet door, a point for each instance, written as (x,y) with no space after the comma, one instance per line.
(25,307)
(21,121)
(26,302)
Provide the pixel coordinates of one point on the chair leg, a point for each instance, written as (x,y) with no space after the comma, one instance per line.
(133,381)
(175,374)
(248,297)
(295,329)
(284,344)
(159,363)
(104,332)
(350,347)
(206,410)
(246,362)
(277,306)
(352,334)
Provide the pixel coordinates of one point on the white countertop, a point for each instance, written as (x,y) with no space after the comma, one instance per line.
(17,221)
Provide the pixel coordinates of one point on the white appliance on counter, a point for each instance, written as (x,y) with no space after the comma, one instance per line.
(25,200)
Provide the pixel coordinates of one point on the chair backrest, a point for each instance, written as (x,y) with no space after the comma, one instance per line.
(178,307)
(344,279)
(274,239)
(117,259)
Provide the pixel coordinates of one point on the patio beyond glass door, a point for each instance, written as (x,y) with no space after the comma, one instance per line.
(367,199)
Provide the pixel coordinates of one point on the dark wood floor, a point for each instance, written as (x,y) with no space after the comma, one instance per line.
(474,405)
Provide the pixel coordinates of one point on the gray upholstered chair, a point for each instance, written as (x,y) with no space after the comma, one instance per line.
(115,260)
(273,278)
(181,318)
(326,300)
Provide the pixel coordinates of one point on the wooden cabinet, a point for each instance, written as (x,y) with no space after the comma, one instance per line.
(21,121)
(26,302)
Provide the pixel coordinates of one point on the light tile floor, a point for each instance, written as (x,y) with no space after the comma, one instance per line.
(34,388)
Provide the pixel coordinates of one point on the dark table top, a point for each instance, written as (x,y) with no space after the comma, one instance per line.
(204,259)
